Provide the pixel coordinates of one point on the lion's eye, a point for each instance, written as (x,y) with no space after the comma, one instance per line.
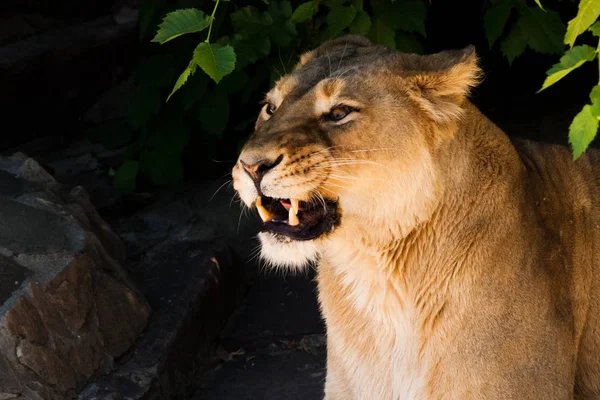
(338,113)
(270,108)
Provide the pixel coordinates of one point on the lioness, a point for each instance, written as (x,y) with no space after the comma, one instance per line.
(452,264)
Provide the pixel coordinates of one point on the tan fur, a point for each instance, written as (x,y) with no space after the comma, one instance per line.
(464,266)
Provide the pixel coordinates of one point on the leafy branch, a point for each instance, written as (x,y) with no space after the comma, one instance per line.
(216,61)
(584,127)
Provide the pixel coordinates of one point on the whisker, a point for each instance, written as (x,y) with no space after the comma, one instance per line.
(336,185)
(233,198)
(319,197)
(366,150)
(349,159)
(356,160)
(342,57)
(348,70)
(325,149)
(340,163)
(254,253)
(329,190)
(351,178)
(220,187)
(281,61)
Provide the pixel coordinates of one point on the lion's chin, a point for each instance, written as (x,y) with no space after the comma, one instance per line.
(281,252)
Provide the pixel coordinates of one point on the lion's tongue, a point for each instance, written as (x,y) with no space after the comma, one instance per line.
(292,203)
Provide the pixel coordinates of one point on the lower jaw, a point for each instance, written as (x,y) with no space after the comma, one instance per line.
(290,234)
(280,251)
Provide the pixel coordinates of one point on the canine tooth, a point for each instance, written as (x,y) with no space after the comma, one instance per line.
(293,218)
(294,203)
(265,215)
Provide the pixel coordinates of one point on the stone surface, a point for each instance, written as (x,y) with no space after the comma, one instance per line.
(67,307)
(285,370)
(274,346)
(183,253)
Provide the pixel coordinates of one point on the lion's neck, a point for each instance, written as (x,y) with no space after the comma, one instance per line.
(411,258)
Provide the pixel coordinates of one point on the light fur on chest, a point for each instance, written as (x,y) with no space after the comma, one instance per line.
(374,328)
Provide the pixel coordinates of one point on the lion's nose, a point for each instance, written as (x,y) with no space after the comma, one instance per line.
(258,169)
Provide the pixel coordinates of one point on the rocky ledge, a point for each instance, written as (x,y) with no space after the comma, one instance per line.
(67,307)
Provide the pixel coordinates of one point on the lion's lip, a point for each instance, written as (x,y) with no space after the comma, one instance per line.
(295,219)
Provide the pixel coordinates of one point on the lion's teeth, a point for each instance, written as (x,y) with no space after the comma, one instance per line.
(265,215)
(295,207)
(293,218)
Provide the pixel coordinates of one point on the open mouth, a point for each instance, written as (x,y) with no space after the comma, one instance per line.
(296,219)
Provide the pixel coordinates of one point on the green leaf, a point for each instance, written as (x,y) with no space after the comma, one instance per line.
(595,94)
(361,24)
(406,15)
(150,13)
(588,13)
(409,16)
(170,138)
(408,44)
(160,161)
(250,50)
(214,111)
(305,11)
(514,44)
(144,102)
(159,69)
(248,21)
(285,8)
(215,61)
(187,72)
(339,18)
(235,82)
(358,5)
(572,59)
(595,98)
(283,34)
(262,46)
(180,22)
(582,131)
(539,3)
(161,168)
(595,29)
(544,30)
(194,90)
(495,19)
(125,176)
(334,3)
(280,10)
(113,134)
(380,33)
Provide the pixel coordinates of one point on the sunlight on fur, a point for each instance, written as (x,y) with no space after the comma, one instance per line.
(451,262)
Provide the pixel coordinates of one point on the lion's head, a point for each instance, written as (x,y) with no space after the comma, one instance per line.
(345,146)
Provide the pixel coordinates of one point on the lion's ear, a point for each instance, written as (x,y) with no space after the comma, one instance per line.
(440,82)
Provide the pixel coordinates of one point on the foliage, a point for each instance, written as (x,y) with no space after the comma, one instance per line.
(539,29)
(202,87)
(584,127)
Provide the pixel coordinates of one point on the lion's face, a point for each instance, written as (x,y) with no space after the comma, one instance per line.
(345,146)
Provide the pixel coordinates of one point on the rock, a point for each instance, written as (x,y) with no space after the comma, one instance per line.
(67,307)
(187,251)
